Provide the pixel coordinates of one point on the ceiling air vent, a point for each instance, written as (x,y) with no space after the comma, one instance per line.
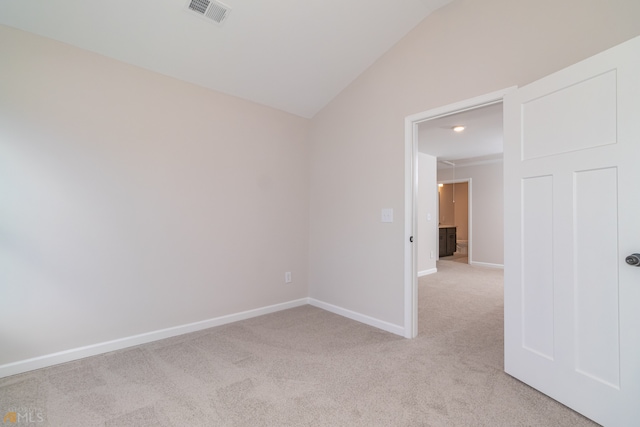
(211,9)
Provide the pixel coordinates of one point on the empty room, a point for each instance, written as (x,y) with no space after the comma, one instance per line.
(208,213)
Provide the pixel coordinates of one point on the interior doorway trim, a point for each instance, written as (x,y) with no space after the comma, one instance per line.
(410,196)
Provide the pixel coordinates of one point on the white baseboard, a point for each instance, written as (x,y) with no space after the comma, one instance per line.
(486,264)
(427,272)
(362,318)
(117,344)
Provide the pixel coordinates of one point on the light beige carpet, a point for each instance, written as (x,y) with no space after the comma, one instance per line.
(307,367)
(456,257)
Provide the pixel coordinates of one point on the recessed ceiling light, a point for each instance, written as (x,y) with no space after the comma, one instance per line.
(458,128)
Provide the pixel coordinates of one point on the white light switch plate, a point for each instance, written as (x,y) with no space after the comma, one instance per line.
(387,215)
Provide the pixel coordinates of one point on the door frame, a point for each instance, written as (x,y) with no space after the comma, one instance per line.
(411,187)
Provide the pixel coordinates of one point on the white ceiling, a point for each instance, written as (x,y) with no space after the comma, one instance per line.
(481,141)
(294,55)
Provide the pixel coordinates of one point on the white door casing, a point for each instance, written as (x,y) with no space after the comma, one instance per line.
(572,215)
(411,182)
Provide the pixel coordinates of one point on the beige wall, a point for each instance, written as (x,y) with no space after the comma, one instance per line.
(446,211)
(461,196)
(466,49)
(132,202)
(454,207)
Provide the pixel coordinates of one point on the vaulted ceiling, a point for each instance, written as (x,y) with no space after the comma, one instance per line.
(293,55)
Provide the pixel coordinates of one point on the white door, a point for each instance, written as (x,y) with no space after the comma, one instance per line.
(572,216)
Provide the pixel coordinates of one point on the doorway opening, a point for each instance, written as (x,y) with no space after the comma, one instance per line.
(412,221)
(454,220)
